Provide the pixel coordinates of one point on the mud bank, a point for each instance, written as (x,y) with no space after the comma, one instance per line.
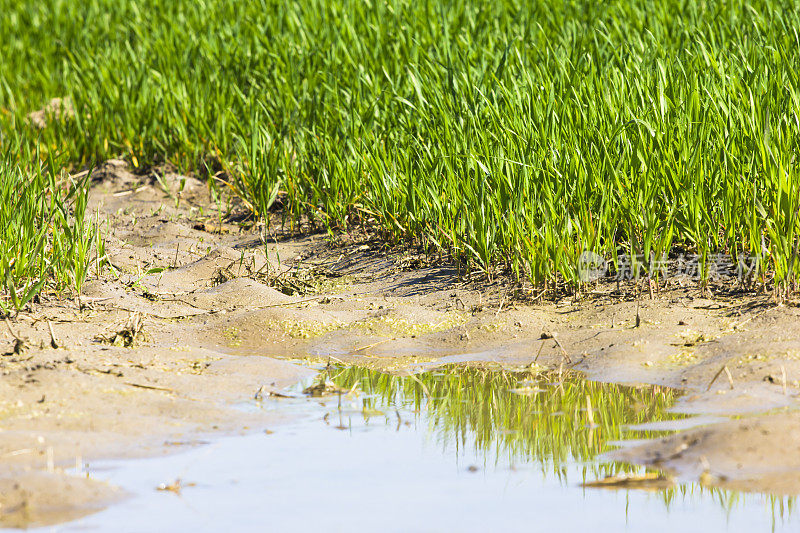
(200,314)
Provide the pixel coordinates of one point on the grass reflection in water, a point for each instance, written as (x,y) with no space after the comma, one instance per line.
(557,422)
(517,417)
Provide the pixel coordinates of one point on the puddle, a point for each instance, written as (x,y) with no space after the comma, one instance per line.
(456,448)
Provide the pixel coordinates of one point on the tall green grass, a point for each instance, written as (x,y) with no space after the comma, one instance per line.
(511,134)
(46,239)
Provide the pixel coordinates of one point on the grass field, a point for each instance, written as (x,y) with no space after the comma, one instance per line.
(510,134)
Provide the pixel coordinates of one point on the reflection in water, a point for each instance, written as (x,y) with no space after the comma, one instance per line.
(457,449)
(525,417)
(518,416)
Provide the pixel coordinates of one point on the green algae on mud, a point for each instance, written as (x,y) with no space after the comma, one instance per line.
(378,325)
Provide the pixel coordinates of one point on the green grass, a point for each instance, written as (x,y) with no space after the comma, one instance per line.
(46,239)
(510,134)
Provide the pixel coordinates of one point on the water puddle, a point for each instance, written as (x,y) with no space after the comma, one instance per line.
(455,448)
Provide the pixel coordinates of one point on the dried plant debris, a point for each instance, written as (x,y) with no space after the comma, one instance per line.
(265,391)
(648,481)
(127,335)
(21,344)
(175,487)
(291,281)
(324,387)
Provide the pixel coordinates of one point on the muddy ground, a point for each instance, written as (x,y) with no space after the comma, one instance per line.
(199,314)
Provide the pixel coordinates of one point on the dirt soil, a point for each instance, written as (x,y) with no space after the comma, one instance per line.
(201,314)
